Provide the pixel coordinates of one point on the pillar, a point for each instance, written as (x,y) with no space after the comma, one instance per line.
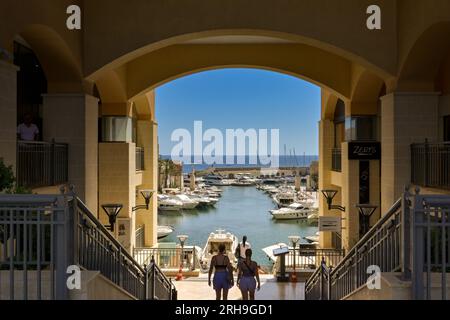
(73,119)
(326,143)
(192,180)
(148,139)
(298,182)
(406,118)
(116,176)
(8,112)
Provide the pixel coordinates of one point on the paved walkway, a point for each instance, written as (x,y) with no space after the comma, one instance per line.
(198,289)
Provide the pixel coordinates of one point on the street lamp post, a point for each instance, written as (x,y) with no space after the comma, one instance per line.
(365,212)
(329,196)
(147,194)
(112,211)
(182,239)
(294,240)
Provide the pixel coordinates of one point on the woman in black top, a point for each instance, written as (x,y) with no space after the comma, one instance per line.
(248,271)
(223,275)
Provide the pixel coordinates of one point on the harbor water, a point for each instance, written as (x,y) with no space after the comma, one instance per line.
(241,211)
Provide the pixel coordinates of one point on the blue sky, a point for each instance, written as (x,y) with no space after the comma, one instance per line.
(241,98)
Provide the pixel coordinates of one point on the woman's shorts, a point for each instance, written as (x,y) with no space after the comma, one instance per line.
(221,281)
(247,284)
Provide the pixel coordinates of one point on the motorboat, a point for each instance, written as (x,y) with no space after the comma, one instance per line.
(165,203)
(312,239)
(203,201)
(284,198)
(187,202)
(164,231)
(215,180)
(212,247)
(295,211)
(244,182)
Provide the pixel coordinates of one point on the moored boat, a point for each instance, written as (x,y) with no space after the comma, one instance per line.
(212,247)
(164,231)
(295,211)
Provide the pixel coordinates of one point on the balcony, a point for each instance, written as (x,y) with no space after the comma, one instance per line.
(41,164)
(336,160)
(430,165)
(140,159)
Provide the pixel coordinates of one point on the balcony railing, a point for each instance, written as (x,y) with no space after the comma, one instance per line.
(140,159)
(41,164)
(41,236)
(140,236)
(336,158)
(430,165)
(169,258)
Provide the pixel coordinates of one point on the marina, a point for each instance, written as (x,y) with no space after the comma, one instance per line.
(237,212)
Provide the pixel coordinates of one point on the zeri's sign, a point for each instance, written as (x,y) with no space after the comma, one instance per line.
(364,151)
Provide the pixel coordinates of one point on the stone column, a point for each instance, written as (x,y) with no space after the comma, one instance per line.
(298,182)
(148,139)
(117,171)
(406,118)
(8,112)
(192,184)
(350,198)
(73,119)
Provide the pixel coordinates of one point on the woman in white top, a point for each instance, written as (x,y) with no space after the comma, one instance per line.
(242,248)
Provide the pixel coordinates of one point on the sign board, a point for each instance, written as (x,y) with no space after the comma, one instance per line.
(332,224)
(364,151)
(280,251)
(124,231)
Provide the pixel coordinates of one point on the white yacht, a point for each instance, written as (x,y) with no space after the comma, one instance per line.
(215,180)
(244,182)
(166,203)
(187,202)
(294,211)
(212,247)
(164,231)
(312,239)
(284,198)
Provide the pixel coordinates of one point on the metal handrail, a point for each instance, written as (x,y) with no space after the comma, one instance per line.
(105,232)
(349,267)
(395,207)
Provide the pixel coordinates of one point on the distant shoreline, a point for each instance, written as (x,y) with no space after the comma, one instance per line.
(285,163)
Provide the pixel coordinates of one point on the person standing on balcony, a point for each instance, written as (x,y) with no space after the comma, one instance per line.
(27,131)
(223,273)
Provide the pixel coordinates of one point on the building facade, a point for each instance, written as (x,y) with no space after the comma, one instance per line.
(385,92)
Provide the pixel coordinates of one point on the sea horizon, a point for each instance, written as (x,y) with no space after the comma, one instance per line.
(284,161)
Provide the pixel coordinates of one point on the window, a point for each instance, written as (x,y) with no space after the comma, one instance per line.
(447,128)
(361,128)
(118,129)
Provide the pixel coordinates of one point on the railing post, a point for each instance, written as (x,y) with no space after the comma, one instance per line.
(62,245)
(153,281)
(52,163)
(405,245)
(329,283)
(119,267)
(418,254)
(427,164)
(145,282)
